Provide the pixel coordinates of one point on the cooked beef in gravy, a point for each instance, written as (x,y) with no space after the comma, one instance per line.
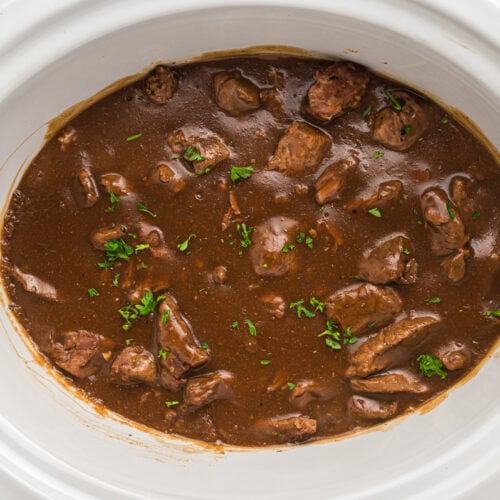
(259,250)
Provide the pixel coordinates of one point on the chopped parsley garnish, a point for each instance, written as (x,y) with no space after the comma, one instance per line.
(301,309)
(407,129)
(433,300)
(335,338)
(420,139)
(288,248)
(133,137)
(291,385)
(476,215)
(265,362)
(165,316)
(142,208)
(140,247)
(495,313)
(241,172)
(406,251)
(182,247)
(251,327)
(371,324)
(300,238)
(244,232)
(204,345)
(168,404)
(115,249)
(192,154)
(318,306)
(162,354)
(445,119)
(113,200)
(303,238)
(366,112)
(375,212)
(235,324)
(450,210)
(395,103)
(93,292)
(378,154)
(430,365)
(309,241)
(129,341)
(356,277)
(133,311)
(115,279)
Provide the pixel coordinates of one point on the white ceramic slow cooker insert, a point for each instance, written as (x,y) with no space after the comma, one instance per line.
(55,53)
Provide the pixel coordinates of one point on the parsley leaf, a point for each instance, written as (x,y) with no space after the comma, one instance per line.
(133,137)
(450,210)
(182,247)
(115,249)
(93,292)
(495,313)
(142,208)
(165,316)
(395,103)
(129,341)
(115,279)
(192,154)
(168,404)
(430,365)
(335,338)
(291,385)
(235,324)
(162,354)
(378,154)
(113,200)
(375,212)
(244,232)
(406,251)
(251,327)
(445,119)
(241,172)
(318,306)
(141,246)
(366,112)
(265,362)
(288,248)
(433,300)
(133,311)
(301,309)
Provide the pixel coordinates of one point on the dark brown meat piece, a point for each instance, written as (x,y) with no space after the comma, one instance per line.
(116,183)
(101,236)
(134,365)
(201,148)
(219,275)
(35,285)
(460,190)
(308,391)
(171,383)
(276,304)
(171,174)
(389,345)
(301,147)
(287,429)
(391,383)
(455,356)
(153,236)
(235,94)
(386,191)
(90,191)
(204,389)
(266,252)
(389,261)
(361,305)
(400,129)
(371,409)
(160,85)
(332,180)
(78,353)
(443,221)
(338,88)
(455,265)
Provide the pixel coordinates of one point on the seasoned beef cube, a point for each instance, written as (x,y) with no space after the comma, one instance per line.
(90,191)
(35,285)
(389,261)
(116,183)
(443,221)
(307,391)
(378,353)
(134,364)
(201,148)
(204,389)
(455,266)
(338,88)
(400,129)
(266,252)
(455,356)
(392,383)
(235,94)
(301,147)
(101,236)
(78,353)
(371,409)
(287,429)
(160,85)
(276,304)
(386,191)
(332,180)
(171,174)
(219,275)
(170,382)
(460,190)
(361,305)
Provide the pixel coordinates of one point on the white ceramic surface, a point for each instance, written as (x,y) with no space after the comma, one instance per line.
(54,53)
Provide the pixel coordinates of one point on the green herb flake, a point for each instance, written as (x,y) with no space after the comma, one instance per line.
(113,200)
(244,233)
(238,173)
(433,300)
(265,362)
(251,327)
(450,210)
(133,137)
(133,311)
(235,325)
(288,248)
(115,249)
(301,309)
(420,139)
(371,324)
(182,247)
(378,154)
(375,212)
(140,247)
(165,316)
(430,365)
(366,112)
(193,154)
(476,215)
(300,238)
(116,277)
(309,241)
(395,103)
(406,251)
(142,208)
(93,292)
(169,404)
(318,305)
(356,277)
(445,119)
(129,341)
(162,354)
(335,338)
(495,313)
(204,345)
(407,129)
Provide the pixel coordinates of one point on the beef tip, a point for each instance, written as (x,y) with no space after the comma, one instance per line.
(219,274)
(171,174)
(378,352)
(391,383)
(116,183)
(371,409)
(153,236)
(386,191)
(460,190)
(101,236)
(35,285)
(301,147)
(361,305)
(78,353)
(455,265)
(443,221)
(400,129)
(67,136)
(455,356)
(266,252)
(134,364)
(204,389)
(160,85)
(90,191)
(332,180)
(338,88)
(169,381)
(276,304)
(287,429)
(201,148)
(235,94)
(390,261)
(308,391)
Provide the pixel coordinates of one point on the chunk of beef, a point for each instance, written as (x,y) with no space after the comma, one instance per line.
(386,191)
(201,148)
(454,355)
(116,183)
(78,353)
(337,88)
(460,190)
(443,221)
(160,85)
(378,352)
(389,261)
(266,252)
(391,383)
(455,265)
(90,191)
(66,137)
(287,429)
(171,174)
(235,94)
(204,389)
(134,365)
(301,147)
(153,236)
(332,180)
(361,305)
(219,275)
(308,391)
(400,129)
(371,409)
(276,304)
(101,236)
(170,382)
(35,285)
